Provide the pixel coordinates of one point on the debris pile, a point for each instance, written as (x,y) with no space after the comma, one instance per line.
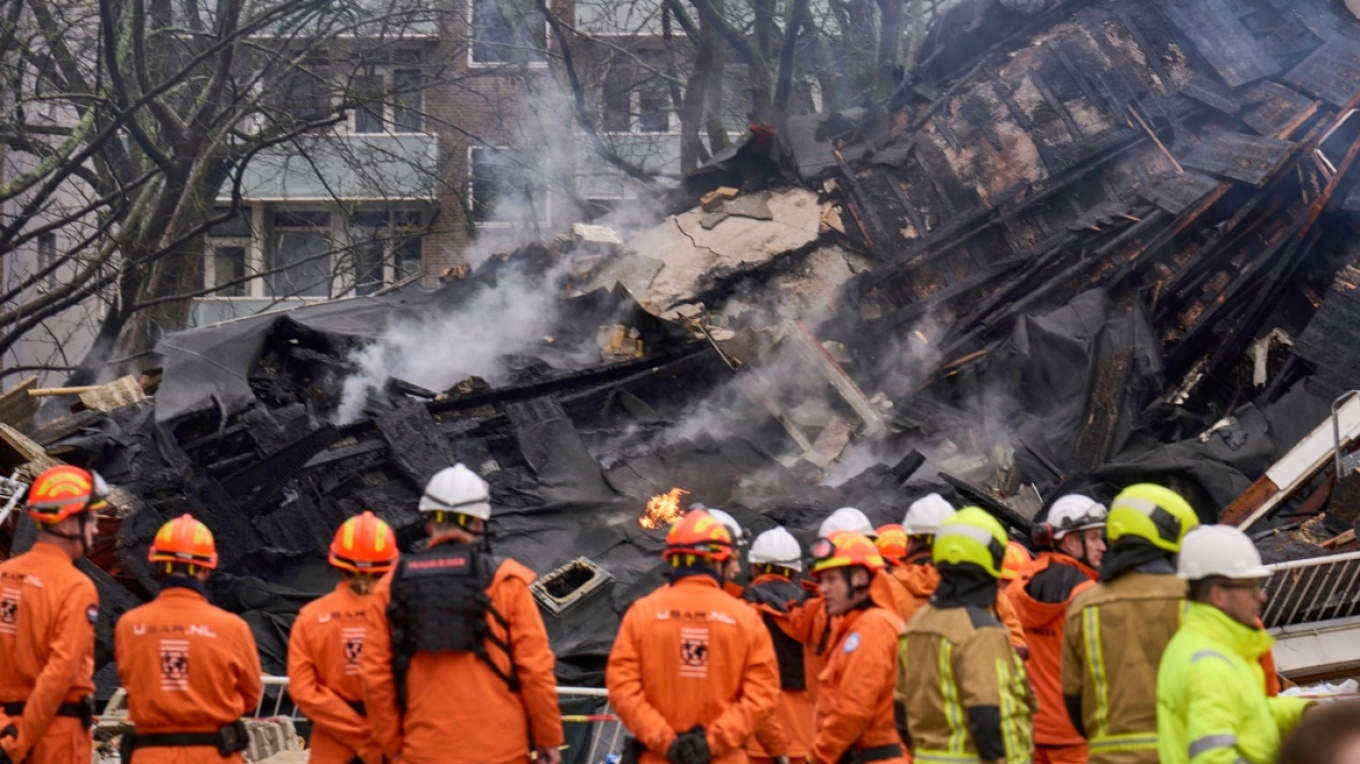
(1108,243)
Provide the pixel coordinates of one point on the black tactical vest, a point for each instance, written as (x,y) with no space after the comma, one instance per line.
(440,604)
(787,650)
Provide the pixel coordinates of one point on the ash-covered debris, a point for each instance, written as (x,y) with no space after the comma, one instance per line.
(1111,244)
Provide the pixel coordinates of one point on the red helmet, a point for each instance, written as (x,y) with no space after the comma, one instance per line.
(185,540)
(845,549)
(64,491)
(892,542)
(364,544)
(697,533)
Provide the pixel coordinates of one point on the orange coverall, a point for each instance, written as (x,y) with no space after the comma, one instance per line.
(48,609)
(1056,740)
(788,730)
(688,654)
(323,673)
(458,711)
(809,624)
(187,666)
(920,578)
(855,704)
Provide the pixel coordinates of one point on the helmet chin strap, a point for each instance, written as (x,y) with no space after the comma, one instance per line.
(79,537)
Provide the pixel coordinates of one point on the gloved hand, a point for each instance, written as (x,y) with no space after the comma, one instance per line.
(690,748)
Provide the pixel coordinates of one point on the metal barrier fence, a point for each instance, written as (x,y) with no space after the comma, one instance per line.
(607,732)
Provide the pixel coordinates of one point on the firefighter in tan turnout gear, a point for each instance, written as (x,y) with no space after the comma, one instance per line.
(1116,631)
(962,693)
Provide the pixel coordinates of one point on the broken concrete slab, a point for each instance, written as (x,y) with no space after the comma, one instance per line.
(694,257)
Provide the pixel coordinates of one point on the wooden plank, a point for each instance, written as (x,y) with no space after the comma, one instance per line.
(17,407)
(114,395)
(1308,457)
(812,352)
(1221,38)
(17,451)
(1248,158)
(1331,72)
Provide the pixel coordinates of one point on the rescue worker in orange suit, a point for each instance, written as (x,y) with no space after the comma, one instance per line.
(1116,631)
(776,559)
(961,686)
(1074,537)
(693,672)
(48,610)
(1017,557)
(327,642)
(732,568)
(456,668)
(808,622)
(918,574)
(854,709)
(191,670)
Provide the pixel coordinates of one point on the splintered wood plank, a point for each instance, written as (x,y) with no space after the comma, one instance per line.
(1178,193)
(1276,110)
(1331,72)
(17,407)
(1220,37)
(1248,158)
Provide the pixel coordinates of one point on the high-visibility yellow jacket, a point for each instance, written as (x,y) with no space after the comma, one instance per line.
(1211,702)
(963,689)
(1115,634)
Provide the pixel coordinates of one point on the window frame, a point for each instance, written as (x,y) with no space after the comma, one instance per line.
(545,218)
(472,61)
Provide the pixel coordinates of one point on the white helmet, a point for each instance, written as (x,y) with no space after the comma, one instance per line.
(925,515)
(776,547)
(1075,512)
(847,519)
(730,522)
(457,489)
(1219,550)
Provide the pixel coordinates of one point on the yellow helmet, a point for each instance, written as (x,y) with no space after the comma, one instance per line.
(971,535)
(1153,513)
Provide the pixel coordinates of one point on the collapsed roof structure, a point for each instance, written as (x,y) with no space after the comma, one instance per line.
(1102,243)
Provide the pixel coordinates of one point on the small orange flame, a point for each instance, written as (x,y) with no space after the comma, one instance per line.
(663,510)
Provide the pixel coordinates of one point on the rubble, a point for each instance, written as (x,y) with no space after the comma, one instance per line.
(1114,243)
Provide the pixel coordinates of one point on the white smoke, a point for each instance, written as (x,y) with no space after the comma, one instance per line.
(437,351)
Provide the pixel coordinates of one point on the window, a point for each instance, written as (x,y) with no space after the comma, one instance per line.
(368,115)
(47,257)
(507,32)
(654,115)
(621,113)
(616,101)
(379,239)
(505,188)
(407,102)
(227,254)
(298,255)
(302,93)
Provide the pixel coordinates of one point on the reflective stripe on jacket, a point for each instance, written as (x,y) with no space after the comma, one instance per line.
(1211,703)
(1115,634)
(963,689)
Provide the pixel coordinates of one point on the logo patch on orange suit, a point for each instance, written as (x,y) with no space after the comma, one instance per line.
(175,665)
(92,614)
(354,648)
(9,610)
(694,652)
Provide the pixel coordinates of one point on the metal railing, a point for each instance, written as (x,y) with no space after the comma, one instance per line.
(1312,590)
(607,735)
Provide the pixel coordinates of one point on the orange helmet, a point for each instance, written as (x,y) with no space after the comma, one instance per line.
(1016,557)
(63,491)
(364,544)
(185,540)
(892,542)
(844,549)
(697,533)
